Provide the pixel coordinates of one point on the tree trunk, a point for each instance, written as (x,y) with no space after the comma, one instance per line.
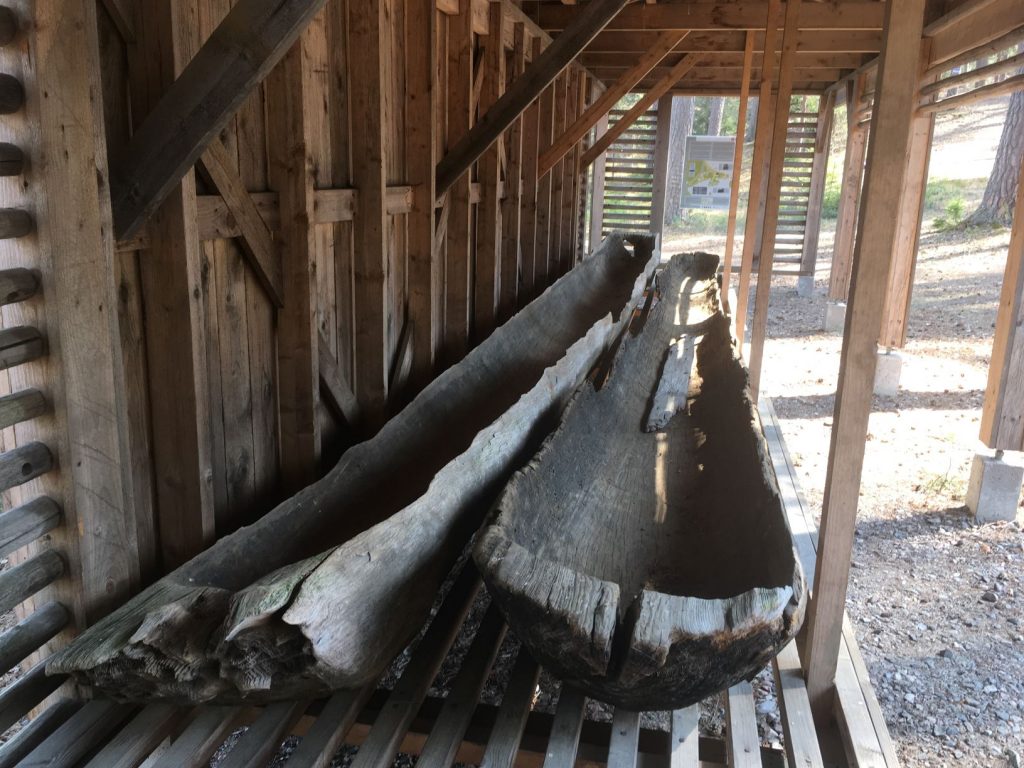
(682,126)
(715,108)
(996,208)
(751,126)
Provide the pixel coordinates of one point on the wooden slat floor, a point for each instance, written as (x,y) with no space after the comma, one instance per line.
(459,728)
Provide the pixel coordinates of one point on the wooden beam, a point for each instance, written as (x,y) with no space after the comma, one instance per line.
(597,198)
(816,192)
(734,41)
(290,98)
(459,218)
(528,208)
(561,104)
(1002,414)
(656,92)
(661,145)
(625,83)
(737,166)
(511,206)
(837,15)
(487,268)
(986,22)
(256,241)
(242,50)
(883,186)
(766,107)
(776,169)
(538,75)
(908,234)
(426,270)
(368,26)
(730,59)
(849,194)
(175,322)
(542,251)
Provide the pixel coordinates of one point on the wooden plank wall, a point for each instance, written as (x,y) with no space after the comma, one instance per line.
(367,287)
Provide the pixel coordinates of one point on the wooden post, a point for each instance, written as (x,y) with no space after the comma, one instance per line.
(1002,415)
(570,174)
(597,193)
(511,206)
(459,246)
(758,165)
(542,252)
(895,99)
(529,211)
(661,165)
(83,376)
(289,97)
(908,233)
(558,180)
(780,132)
(175,322)
(737,165)
(426,272)
(816,193)
(487,269)
(849,194)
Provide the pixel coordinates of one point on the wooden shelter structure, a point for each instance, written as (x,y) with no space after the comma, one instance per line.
(237,235)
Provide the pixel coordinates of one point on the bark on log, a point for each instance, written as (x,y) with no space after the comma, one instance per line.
(266,613)
(644,555)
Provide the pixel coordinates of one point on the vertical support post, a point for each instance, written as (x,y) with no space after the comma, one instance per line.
(545,202)
(558,179)
(289,92)
(368,24)
(759,164)
(71,248)
(849,195)
(661,143)
(528,219)
(459,245)
(487,270)
(908,232)
(597,194)
(1002,415)
(780,132)
(737,165)
(171,276)
(816,193)
(895,99)
(511,206)
(426,272)
(570,176)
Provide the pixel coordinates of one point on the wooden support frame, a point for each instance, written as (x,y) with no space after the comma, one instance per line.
(511,206)
(892,118)
(175,322)
(780,132)
(541,72)
(545,199)
(529,211)
(661,144)
(659,89)
(737,166)
(426,270)
(850,192)
(625,83)
(816,194)
(597,191)
(758,165)
(1002,414)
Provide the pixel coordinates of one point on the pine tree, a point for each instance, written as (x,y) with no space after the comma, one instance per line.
(996,208)
(682,126)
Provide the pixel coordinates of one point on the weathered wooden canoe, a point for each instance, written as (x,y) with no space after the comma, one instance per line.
(644,555)
(271,612)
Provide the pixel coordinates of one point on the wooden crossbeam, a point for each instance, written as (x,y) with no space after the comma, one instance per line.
(735,59)
(811,41)
(656,92)
(541,72)
(242,50)
(837,15)
(625,83)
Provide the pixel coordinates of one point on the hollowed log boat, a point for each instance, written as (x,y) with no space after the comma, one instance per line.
(274,612)
(643,554)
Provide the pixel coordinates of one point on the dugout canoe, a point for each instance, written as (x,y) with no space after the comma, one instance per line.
(327,588)
(644,554)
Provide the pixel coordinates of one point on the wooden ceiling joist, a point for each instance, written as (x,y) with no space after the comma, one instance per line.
(810,41)
(242,50)
(839,14)
(541,72)
(723,75)
(804,60)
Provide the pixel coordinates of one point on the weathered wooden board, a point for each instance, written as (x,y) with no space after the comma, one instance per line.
(644,554)
(230,625)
